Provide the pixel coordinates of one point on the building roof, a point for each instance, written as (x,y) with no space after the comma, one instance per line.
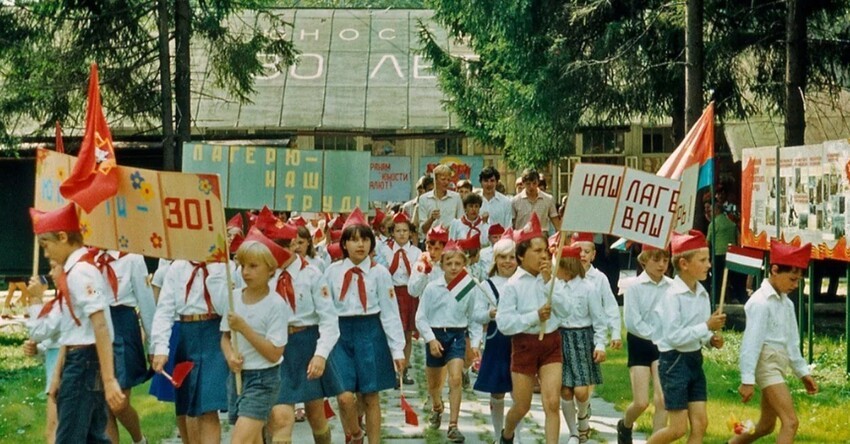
(358,70)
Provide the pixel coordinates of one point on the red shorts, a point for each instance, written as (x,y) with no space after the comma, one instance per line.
(407,306)
(528,353)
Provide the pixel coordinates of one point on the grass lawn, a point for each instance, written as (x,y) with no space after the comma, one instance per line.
(823,417)
(22,399)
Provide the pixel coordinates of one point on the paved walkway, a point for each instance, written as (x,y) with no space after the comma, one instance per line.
(474,421)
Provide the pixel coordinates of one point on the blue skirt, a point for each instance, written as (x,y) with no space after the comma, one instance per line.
(131,364)
(362,358)
(294,385)
(204,390)
(494,375)
(162,388)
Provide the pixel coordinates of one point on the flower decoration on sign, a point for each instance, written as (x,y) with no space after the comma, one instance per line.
(147,191)
(60,173)
(123,242)
(156,240)
(40,154)
(84,229)
(205,186)
(136,179)
(218,251)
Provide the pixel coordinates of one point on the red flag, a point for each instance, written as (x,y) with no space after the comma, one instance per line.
(94,178)
(409,414)
(60,146)
(329,411)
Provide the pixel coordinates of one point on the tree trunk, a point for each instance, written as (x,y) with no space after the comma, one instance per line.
(693,62)
(795,73)
(165,85)
(182,73)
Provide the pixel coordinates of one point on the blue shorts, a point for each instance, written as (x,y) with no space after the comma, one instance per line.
(682,379)
(362,358)
(294,385)
(259,394)
(81,403)
(642,352)
(453,341)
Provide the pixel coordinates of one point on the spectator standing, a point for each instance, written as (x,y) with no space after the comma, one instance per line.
(441,205)
(495,206)
(532,200)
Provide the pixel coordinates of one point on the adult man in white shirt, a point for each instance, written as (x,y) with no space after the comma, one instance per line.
(440,205)
(496,207)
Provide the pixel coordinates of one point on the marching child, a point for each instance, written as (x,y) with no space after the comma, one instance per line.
(370,349)
(186,299)
(639,304)
(494,234)
(582,328)
(127,277)
(445,315)
(380,225)
(399,255)
(427,268)
(603,288)
(302,245)
(471,223)
(306,374)
(260,318)
(771,344)
(523,313)
(688,325)
(494,376)
(85,332)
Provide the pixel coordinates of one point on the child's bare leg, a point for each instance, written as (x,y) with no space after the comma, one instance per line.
(281,421)
(639,376)
(435,377)
(550,390)
(779,399)
(247,431)
(523,388)
(677,427)
(659,419)
(699,421)
(455,369)
(372,402)
(348,412)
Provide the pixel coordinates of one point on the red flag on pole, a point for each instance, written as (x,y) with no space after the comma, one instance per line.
(60,146)
(94,178)
(409,414)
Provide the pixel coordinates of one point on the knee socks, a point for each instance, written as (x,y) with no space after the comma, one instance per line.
(568,409)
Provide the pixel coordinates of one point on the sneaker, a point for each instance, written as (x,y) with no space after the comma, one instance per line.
(503,440)
(624,434)
(406,379)
(435,418)
(465,379)
(454,434)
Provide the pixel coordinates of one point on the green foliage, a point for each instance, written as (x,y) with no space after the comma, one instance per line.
(544,67)
(46,48)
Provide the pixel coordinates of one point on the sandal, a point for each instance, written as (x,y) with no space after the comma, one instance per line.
(435,418)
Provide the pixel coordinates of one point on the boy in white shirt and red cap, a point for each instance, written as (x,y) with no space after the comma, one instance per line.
(688,326)
(771,344)
(85,333)
(427,268)
(370,349)
(523,313)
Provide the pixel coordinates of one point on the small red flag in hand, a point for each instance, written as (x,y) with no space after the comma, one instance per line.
(181,371)
(329,411)
(94,178)
(410,416)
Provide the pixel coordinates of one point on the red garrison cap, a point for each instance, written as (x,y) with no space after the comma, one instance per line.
(529,231)
(287,231)
(400,217)
(281,255)
(508,234)
(470,243)
(571,251)
(355,218)
(496,230)
(438,234)
(553,240)
(787,254)
(379,218)
(682,243)
(235,222)
(62,219)
(335,251)
(298,221)
(236,242)
(265,219)
(337,223)
(453,245)
(582,237)
(336,235)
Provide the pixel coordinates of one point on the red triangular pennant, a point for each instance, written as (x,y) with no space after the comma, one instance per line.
(181,371)
(329,410)
(410,416)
